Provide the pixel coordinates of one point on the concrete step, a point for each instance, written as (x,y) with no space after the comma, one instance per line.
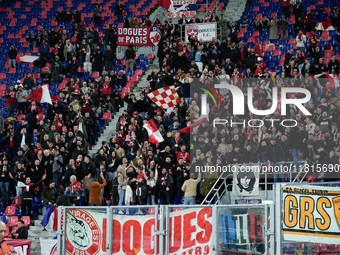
(35,247)
(35,232)
(42,234)
(110,130)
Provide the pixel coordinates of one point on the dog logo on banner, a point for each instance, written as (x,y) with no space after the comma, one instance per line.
(155,35)
(246,181)
(82,232)
(336,208)
(79,233)
(193,31)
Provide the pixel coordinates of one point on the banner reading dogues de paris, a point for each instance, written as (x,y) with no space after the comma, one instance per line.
(311,213)
(138,36)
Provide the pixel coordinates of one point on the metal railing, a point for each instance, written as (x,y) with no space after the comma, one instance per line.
(220,187)
(71,222)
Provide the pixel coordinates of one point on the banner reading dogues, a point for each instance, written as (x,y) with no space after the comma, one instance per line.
(190,230)
(311,213)
(138,36)
(205,31)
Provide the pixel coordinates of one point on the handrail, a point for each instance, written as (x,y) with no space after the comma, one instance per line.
(216,192)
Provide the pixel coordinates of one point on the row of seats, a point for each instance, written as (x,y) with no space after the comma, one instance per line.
(273,50)
(13,221)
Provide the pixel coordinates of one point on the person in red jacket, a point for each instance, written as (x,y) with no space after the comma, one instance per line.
(260,67)
(75,189)
(313,41)
(74,185)
(59,123)
(106,86)
(308,19)
(258,48)
(10,100)
(236,78)
(285,7)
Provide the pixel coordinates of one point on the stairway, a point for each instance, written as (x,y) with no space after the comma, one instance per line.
(234,9)
(35,233)
(110,130)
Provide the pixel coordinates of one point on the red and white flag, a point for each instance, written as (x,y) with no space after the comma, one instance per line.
(334,80)
(41,95)
(153,132)
(168,5)
(190,128)
(165,98)
(325,25)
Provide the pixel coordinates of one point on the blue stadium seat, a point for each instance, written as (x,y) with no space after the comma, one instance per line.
(18,212)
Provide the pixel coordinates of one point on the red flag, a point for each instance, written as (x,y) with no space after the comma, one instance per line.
(192,126)
(334,80)
(167,5)
(165,97)
(154,134)
(41,95)
(325,25)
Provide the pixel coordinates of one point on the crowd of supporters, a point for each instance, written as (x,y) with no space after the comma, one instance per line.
(52,152)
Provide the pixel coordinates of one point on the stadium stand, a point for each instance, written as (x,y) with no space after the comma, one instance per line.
(44,146)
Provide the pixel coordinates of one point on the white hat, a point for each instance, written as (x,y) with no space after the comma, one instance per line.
(259,59)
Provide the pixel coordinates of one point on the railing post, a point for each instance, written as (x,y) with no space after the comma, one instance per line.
(161,228)
(166,229)
(109,230)
(277,204)
(63,245)
(156,228)
(60,232)
(214,232)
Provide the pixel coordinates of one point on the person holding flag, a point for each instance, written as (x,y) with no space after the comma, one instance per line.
(28,192)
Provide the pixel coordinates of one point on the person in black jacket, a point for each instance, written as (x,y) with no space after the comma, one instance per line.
(88,168)
(28,193)
(72,68)
(307,67)
(119,9)
(76,16)
(248,155)
(50,194)
(333,65)
(5,171)
(164,184)
(297,138)
(21,232)
(130,55)
(275,155)
(98,60)
(13,52)
(130,99)
(142,106)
